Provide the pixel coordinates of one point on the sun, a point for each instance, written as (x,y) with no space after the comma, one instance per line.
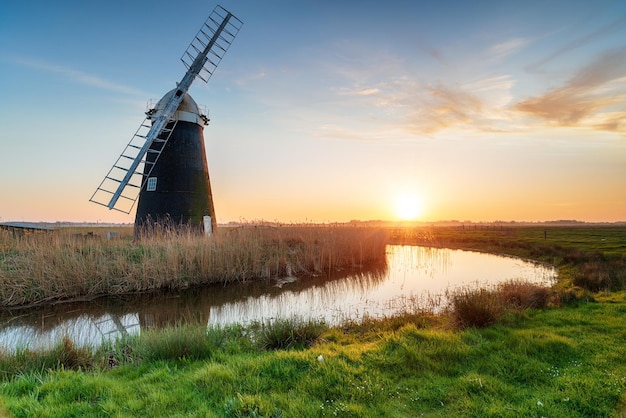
(408,207)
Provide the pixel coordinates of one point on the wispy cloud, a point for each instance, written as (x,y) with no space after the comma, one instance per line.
(477,106)
(608,29)
(495,83)
(593,97)
(366,101)
(75,75)
(370,133)
(447,106)
(437,54)
(407,107)
(360,91)
(507,47)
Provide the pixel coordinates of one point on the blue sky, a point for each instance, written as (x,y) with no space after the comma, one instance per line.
(329,111)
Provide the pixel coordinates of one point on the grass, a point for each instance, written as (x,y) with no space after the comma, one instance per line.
(592,258)
(566,362)
(535,352)
(287,333)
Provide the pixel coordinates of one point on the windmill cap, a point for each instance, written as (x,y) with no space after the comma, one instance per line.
(187,111)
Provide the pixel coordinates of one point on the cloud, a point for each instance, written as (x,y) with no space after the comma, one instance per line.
(581,41)
(360,91)
(437,55)
(372,133)
(477,106)
(405,107)
(496,83)
(77,76)
(508,47)
(592,97)
(453,103)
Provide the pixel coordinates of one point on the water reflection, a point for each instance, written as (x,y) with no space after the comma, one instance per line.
(412,277)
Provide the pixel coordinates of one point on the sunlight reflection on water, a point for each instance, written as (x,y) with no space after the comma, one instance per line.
(416,276)
(413,278)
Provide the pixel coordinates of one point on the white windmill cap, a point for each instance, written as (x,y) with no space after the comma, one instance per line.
(188,110)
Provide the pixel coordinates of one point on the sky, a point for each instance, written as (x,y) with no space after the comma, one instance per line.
(328,111)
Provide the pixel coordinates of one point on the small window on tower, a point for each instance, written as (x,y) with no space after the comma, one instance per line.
(151,186)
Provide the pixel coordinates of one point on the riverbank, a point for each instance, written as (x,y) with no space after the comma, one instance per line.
(564,357)
(591,258)
(565,362)
(70,264)
(78,264)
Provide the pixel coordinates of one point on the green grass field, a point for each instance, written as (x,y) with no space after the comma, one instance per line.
(565,360)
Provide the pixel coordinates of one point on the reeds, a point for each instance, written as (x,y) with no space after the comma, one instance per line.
(63,265)
(481,306)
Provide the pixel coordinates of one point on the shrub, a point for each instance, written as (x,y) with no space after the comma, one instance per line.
(475,307)
(572,295)
(521,295)
(600,273)
(72,357)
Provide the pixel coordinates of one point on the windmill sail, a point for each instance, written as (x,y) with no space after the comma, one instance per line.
(120,188)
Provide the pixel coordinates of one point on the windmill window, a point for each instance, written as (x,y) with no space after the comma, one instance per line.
(151,186)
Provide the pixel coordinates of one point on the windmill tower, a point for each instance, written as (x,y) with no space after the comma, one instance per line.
(164,165)
(177,189)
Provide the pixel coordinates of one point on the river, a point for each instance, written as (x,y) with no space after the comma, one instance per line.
(413,278)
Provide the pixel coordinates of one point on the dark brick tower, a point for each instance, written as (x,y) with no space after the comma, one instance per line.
(178,191)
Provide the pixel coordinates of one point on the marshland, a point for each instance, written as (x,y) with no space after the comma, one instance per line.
(73,264)
(410,277)
(513,349)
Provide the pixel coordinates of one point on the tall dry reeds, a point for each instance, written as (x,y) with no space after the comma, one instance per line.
(63,265)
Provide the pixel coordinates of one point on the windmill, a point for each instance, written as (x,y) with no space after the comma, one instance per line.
(164,164)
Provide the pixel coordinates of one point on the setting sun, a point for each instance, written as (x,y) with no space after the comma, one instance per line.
(408,207)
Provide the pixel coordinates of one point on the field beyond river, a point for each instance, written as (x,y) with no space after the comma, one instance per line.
(516,349)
